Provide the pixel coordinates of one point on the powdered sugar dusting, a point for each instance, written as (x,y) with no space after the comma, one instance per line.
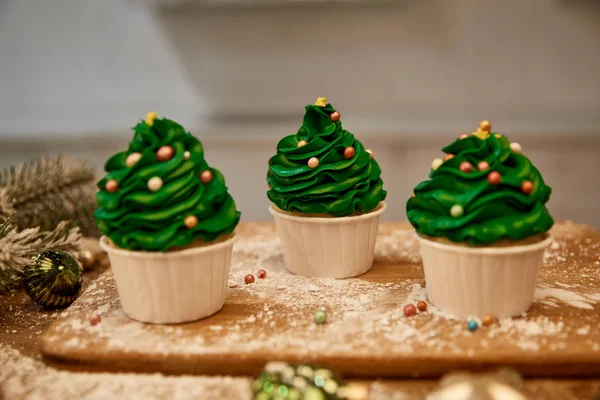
(273,316)
(25,377)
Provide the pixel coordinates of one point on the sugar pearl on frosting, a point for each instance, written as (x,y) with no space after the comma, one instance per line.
(335,116)
(302,143)
(313,162)
(463,136)
(190,221)
(485,125)
(111,186)
(155,183)
(186,155)
(456,210)
(436,163)
(349,152)
(466,166)
(516,147)
(370,152)
(483,165)
(132,159)
(494,178)
(206,176)
(527,187)
(165,153)
(448,157)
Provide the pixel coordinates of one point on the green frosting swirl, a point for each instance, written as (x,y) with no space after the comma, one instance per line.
(491,212)
(136,218)
(337,186)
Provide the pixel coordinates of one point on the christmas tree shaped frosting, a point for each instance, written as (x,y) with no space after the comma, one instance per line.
(324,168)
(482,191)
(161,193)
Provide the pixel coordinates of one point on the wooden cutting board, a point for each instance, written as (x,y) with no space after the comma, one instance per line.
(366,335)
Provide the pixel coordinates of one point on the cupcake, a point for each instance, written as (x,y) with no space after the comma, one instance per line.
(169,223)
(327,196)
(482,224)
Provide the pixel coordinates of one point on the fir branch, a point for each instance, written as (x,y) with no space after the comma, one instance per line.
(43,192)
(17,248)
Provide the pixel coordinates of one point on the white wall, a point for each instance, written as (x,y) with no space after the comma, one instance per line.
(409,65)
(68,66)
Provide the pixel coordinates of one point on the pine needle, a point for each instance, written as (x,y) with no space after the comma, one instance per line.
(43,192)
(17,248)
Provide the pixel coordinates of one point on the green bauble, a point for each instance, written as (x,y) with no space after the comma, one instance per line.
(281,381)
(53,279)
(324,169)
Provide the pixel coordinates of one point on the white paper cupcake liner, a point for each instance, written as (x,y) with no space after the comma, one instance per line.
(171,287)
(335,247)
(480,281)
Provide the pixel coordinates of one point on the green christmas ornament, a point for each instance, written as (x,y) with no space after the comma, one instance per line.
(280,381)
(53,279)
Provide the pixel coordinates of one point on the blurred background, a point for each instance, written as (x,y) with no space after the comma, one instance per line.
(408,76)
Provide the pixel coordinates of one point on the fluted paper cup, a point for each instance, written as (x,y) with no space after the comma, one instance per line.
(480,281)
(171,287)
(328,247)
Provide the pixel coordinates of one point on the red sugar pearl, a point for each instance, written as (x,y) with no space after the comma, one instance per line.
(349,152)
(249,279)
(466,166)
(410,310)
(95,319)
(527,187)
(262,274)
(206,176)
(494,178)
(335,116)
(483,165)
(111,186)
(422,306)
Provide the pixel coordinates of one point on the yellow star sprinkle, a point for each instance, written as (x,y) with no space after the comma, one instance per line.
(321,101)
(481,134)
(150,117)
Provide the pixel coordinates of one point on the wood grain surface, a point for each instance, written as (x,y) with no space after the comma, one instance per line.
(367,336)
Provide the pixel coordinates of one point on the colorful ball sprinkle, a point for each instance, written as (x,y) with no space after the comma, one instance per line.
(527,187)
(448,157)
(262,274)
(422,306)
(410,310)
(111,186)
(436,163)
(466,166)
(457,210)
(483,166)
(516,147)
(487,320)
(313,162)
(249,279)
(472,325)
(302,143)
(494,178)
(320,317)
(463,136)
(206,176)
(95,319)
